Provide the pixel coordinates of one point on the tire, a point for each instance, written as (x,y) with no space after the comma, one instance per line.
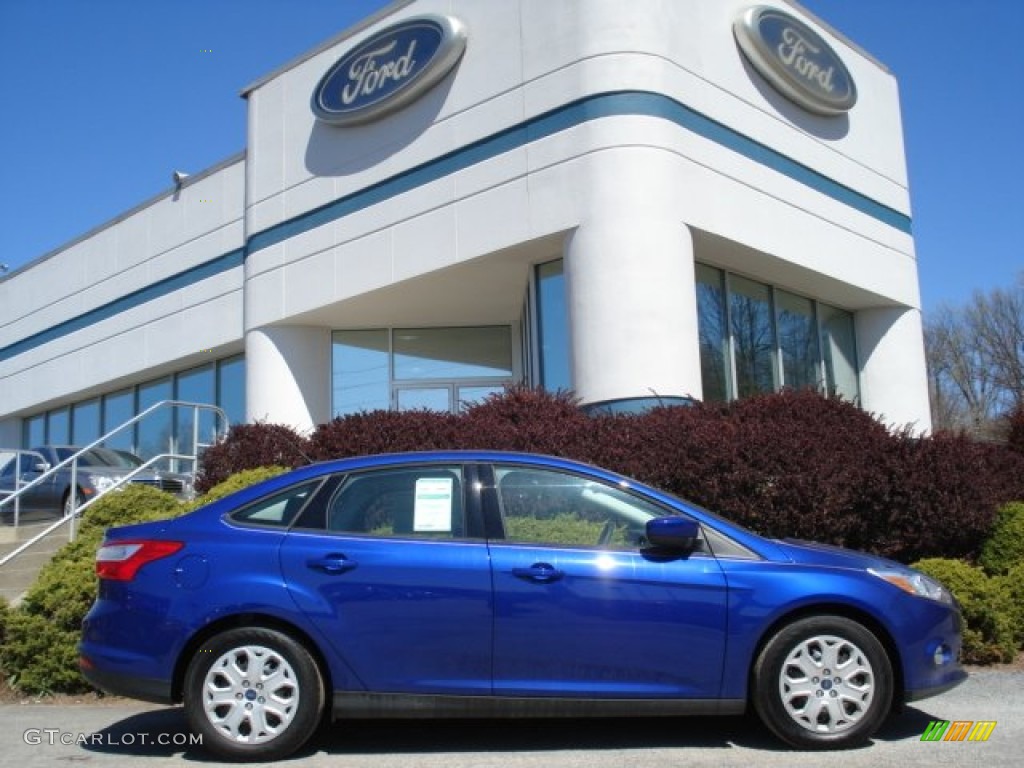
(66,504)
(253,694)
(823,682)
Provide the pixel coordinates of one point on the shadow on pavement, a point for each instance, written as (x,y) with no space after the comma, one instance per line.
(164,732)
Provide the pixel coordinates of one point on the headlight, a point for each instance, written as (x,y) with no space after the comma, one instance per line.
(915,583)
(104,483)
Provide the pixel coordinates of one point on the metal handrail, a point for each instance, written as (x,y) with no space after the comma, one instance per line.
(220,431)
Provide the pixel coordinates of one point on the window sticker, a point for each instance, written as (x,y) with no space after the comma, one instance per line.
(433,511)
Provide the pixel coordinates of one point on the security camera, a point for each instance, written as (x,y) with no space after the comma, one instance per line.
(179,178)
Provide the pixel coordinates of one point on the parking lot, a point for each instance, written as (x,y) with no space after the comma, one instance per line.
(125,734)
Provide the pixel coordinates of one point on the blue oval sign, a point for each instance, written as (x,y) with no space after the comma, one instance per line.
(795,60)
(389,70)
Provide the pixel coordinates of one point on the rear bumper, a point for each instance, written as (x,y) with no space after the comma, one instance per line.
(144,689)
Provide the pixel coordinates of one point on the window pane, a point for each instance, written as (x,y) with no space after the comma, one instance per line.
(416,503)
(85,422)
(117,409)
(470,396)
(714,362)
(154,431)
(231,389)
(58,427)
(750,318)
(840,352)
(425,398)
(359,371)
(33,431)
(553,325)
(279,510)
(196,386)
(798,341)
(545,507)
(452,353)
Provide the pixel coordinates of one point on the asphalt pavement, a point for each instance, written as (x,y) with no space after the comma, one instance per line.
(120,735)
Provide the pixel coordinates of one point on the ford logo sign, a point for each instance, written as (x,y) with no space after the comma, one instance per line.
(389,70)
(795,60)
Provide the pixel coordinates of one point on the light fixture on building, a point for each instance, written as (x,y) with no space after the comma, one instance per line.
(179,178)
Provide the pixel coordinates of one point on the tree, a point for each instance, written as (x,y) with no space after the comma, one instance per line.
(976,361)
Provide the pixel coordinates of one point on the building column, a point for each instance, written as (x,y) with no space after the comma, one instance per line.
(893,372)
(288,375)
(632,304)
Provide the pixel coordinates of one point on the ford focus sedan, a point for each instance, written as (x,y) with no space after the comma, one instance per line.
(487,584)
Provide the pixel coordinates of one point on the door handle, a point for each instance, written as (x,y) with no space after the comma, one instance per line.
(541,573)
(332,564)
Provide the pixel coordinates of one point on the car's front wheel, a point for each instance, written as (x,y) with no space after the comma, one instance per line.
(70,506)
(823,682)
(253,694)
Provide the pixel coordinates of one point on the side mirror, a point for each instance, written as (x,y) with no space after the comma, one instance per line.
(679,533)
(40,466)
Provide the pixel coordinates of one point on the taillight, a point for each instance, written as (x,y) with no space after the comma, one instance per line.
(121,560)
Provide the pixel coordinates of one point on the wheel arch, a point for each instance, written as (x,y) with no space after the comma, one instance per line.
(850,612)
(248,620)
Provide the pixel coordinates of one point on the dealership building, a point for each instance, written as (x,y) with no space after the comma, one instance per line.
(640,202)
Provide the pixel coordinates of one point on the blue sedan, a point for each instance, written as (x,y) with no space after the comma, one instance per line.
(489,584)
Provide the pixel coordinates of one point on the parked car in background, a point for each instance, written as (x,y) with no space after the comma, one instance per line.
(98,470)
(484,584)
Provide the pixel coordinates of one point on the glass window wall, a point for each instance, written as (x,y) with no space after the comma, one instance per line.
(714,334)
(753,336)
(85,422)
(840,352)
(553,327)
(117,409)
(221,383)
(438,369)
(769,339)
(361,371)
(798,341)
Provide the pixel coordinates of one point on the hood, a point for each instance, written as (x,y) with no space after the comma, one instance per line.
(813,553)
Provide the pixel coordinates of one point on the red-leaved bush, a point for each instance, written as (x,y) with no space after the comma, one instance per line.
(793,464)
(249,446)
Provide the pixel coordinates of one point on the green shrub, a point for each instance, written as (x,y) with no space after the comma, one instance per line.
(38,653)
(39,638)
(1013,585)
(235,483)
(1005,547)
(989,616)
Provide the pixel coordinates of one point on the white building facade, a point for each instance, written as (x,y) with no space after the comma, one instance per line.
(636,201)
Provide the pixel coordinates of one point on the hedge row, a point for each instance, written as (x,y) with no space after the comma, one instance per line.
(992,608)
(788,464)
(39,638)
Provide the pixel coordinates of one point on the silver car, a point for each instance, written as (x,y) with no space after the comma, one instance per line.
(99,469)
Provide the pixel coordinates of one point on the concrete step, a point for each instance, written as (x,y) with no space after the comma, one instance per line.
(18,575)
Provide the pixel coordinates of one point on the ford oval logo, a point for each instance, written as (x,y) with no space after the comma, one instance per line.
(795,60)
(389,70)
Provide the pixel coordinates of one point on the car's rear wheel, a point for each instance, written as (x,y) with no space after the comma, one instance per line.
(823,682)
(253,694)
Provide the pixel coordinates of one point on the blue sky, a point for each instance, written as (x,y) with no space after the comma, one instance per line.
(103,99)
